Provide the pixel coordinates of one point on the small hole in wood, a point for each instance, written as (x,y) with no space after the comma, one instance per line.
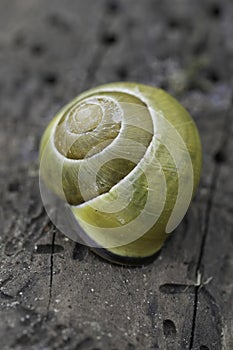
(48,249)
(23,340)
(50,78)
(37,49)
(215,10)
(212,76)
(60,327)
(172,288)
(85,343)
(13,186)
(57,21)
(169,329)
(164,85)
(220,157)
(204,347)
(112,6)
(80,252)
(109,39)
(173,23)
(122,72)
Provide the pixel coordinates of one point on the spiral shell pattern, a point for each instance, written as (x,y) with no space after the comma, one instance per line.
(125,159)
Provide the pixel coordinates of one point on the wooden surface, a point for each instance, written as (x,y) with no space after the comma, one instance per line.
(55,294)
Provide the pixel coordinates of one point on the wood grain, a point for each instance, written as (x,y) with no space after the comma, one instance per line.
(56,294)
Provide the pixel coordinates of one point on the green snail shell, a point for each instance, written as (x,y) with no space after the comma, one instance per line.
(126,157)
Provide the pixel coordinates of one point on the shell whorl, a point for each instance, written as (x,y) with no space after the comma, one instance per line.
(126,158)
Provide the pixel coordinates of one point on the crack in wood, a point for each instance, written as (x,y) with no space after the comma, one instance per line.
(202,249)
(51,272)
(209,206)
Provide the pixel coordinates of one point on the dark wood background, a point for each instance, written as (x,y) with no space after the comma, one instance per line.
(55,294)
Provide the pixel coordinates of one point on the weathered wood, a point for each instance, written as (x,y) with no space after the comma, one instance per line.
(56,294)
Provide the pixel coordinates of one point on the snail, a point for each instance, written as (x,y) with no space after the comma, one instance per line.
(122,161)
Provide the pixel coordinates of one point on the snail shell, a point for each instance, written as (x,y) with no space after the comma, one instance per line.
(125,159)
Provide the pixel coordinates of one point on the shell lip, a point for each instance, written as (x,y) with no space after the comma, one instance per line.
(125,260)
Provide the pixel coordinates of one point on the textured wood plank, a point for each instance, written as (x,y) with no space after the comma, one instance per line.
(54,293)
